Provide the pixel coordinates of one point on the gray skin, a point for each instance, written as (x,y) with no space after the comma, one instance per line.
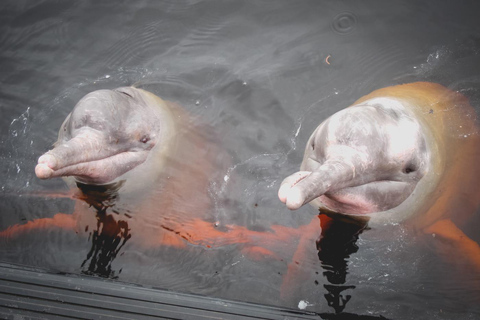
(108,133)
(364,159)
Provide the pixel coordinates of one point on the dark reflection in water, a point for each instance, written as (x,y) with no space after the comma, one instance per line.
(264,75)
(111,233)
(336,244)
(348,316)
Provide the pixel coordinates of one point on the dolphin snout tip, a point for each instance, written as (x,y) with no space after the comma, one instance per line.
(283,192)
(43,171)
(48,160)
(293,205)
(294,199)
(292,196)
(45,167)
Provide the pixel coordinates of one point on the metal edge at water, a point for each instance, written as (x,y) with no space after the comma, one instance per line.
(27,293)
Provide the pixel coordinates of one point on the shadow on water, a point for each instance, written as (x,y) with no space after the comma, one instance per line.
(111,233)
(348,316)
(336,244)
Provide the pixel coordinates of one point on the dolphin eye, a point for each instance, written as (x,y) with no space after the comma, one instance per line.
(125,93)
(408,169)
(145,139)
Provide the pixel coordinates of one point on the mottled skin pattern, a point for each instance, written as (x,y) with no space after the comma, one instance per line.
(151,148)
(145,168)
(108,133)
(363,159)
(408,153)
(393,145)
(162,160)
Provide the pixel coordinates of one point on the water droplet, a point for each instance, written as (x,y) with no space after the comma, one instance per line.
(197,102)
(244,83)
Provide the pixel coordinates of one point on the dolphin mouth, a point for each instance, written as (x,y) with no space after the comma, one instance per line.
(97,171)
(371,197)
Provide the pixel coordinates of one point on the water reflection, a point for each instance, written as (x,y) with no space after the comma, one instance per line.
(264,74)
(111,233)
(349,316)
(336,244)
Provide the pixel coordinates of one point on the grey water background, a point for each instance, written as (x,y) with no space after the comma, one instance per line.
(264,74)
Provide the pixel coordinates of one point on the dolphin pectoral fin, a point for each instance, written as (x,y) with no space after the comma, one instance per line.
(449,236)
(164,239)
(60,220)
(258,253)
(301,188)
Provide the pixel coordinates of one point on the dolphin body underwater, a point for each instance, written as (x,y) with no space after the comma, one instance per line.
(144,167)
(129,153)
(405,154)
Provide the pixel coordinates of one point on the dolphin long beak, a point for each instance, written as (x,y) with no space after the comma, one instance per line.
(86,146)
(304,186)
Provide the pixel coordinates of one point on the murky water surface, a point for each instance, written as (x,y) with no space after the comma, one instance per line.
(259,76)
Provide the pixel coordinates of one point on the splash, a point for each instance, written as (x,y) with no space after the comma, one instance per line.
(20,125)
(18,146)
(303,304)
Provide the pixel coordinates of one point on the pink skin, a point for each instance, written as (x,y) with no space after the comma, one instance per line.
(108,133)
(364,159)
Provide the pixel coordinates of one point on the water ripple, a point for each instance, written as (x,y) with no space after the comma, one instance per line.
(28,27)
(344,23)
(383,61)
(137,43)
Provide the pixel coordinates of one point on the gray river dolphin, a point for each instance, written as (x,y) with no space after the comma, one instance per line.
(405,154)
(161,164)
(402,153)
(395,152)
(363,159)
(110,133)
